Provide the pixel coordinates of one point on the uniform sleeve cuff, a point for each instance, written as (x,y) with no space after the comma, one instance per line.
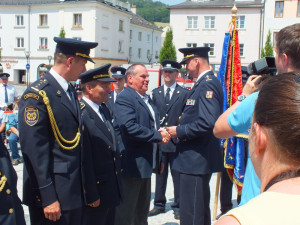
(48,195)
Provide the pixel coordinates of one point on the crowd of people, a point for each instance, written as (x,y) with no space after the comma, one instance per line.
(89,159)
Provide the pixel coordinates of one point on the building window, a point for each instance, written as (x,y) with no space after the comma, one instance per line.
(156,54)
(77,38)
(43,43)
(209,22)
(0,21)
(274,38)
(156,39)
(0,42)
(121,24)
(279,9)
(43,20)
(241,50)
(192,22)
(77,20)
(19,20)
(148,52)
(148,37)
(191,45)
(130,35)
(298,11)
(240,22)
(139,52)
(130,51)
(212,48)
(140,36)
(20,42)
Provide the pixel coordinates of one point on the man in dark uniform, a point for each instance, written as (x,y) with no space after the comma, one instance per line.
(101,157)
(50,127)
(198,151)
(118,73)
(136,118)
(169,100)
(11,211)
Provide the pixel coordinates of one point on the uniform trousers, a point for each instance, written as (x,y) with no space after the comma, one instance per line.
(194,199)
(161,183)
(97,216)
(136,202)
(68,217)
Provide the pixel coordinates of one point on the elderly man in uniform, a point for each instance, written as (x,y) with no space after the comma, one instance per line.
(50,136)
(8,93)
(101,157)
(11,212)
(118,73)
(169,100)
(136,120)
(198,151)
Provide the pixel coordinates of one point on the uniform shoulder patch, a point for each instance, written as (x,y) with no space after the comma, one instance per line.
(82,105)
(31,95)
(209,94)
(31,115)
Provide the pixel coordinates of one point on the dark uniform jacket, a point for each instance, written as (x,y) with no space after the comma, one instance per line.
(50,172)
(135,124)
(101,159)
(198,150)
(11,211)
(169,115)
(110,103)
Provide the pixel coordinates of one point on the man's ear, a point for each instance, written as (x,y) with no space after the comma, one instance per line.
(285,60)
(70,60)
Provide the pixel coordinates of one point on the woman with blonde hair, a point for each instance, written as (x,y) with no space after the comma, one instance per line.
(274,145)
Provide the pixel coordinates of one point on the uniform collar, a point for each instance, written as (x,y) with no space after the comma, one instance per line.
(62,82)
(201,75)
(172,88)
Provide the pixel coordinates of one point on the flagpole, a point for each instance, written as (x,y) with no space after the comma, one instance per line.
(217,191)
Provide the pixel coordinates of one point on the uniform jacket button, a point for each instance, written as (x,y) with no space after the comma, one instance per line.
(108,147)
(8,191)
(11,211)
(116,173)
(98,182)
(114,158)
(121,155)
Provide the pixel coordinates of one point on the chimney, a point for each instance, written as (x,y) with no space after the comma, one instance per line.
(133,9)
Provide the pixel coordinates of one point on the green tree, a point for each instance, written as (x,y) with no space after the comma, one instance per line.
(62,33)
(168,50)
(268,49)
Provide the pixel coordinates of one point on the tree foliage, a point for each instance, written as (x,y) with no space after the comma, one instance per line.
(151,11)
(268,49)
(62,32)
(168,50)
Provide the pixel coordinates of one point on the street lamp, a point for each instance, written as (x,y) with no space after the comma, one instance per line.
(49,59)
(27,54)
(149,57)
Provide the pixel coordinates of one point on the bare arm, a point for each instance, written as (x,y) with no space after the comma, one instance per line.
(222,128)
(227,220)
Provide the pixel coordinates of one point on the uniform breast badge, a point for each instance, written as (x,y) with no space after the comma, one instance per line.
(190,102)
(31,115)
(209,94)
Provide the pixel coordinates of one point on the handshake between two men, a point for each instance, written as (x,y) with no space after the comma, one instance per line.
(167,133)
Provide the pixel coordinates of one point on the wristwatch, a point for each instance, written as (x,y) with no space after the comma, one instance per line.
(241,97)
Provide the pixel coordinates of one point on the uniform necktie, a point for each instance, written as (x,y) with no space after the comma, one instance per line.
(72,97)
(101,113)
(167,97)
(5,93)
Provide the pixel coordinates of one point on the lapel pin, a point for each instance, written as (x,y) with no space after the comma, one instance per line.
(58,92)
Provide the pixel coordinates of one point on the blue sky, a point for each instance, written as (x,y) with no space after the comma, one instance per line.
(170,2)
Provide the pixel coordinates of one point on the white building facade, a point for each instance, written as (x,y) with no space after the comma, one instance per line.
(204,23)
(279,14)
(28,26)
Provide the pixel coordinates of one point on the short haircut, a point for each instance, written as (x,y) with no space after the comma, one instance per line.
(131,70)
(288,42)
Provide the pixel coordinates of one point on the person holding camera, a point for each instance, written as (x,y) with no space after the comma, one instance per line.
(238,117)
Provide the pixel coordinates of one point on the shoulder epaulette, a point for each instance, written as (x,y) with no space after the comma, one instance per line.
(39,85)
(82,105)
